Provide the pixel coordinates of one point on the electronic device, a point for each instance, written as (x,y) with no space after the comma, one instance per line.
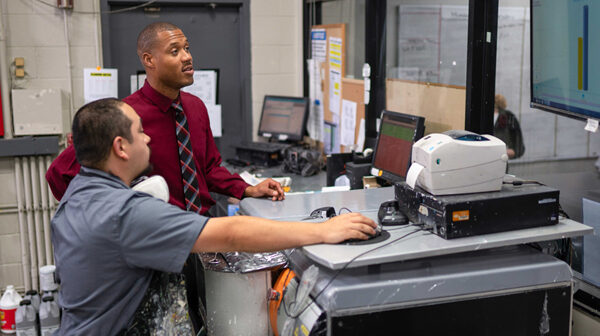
(563,59)
(389,214)
(266,154)
(397,133)
(455,216)
(324,213)
(284,118)
(456,162)
(355,173)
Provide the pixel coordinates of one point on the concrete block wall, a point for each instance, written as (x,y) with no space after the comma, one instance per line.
(36,32)
(276,48)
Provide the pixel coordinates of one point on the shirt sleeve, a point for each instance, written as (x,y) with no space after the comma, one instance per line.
(62,170)
(157,235)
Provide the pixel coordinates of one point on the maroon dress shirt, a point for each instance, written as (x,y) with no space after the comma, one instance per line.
(158,120)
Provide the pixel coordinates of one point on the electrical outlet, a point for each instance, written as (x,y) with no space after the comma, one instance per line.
(19,62)
(19,72)
(67,4)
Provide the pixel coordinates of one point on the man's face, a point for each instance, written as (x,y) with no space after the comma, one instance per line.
(173,59)
(139,152)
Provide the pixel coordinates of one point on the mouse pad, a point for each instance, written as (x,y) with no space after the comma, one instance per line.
(383,236)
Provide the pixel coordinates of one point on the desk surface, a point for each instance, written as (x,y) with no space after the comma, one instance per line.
(417,245)
(298,206)
(424,244)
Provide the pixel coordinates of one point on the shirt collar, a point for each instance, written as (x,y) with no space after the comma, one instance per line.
(99,173)
(161,101)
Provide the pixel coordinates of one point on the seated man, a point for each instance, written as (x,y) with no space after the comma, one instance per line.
(110,241)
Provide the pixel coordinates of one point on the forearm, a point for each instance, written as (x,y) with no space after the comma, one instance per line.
(252,234)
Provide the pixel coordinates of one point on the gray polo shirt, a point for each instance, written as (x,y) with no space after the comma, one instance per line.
(107,241)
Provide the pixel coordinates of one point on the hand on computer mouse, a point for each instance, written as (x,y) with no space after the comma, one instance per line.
(347,226)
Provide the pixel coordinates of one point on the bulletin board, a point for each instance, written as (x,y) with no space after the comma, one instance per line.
(354,90)
(338,33)
(443,106)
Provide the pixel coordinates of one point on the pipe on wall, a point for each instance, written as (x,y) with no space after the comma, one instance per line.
(5,85)
(30,225)
(69,70)
(44,210)
(22,225)
(35,205)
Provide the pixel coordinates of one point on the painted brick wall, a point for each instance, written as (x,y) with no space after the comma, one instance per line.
(276,47)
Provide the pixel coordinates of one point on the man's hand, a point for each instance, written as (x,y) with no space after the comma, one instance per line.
(266,188)
(510,152)
(347,226)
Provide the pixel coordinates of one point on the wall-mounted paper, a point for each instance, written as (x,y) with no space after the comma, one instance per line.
(214,113)
(204,87)
(335,91)
(319,44)
(348,122)
(98,84)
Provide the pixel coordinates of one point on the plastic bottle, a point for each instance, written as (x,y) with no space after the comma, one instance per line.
(34,297)
(54,294)
(8,308)
(26,319)
(47,280)
(49,316)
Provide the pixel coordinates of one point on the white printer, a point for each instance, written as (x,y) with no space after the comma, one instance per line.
(458,162)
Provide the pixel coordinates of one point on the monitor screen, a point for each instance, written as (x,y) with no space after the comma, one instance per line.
(284,118)
(563,69)
(397,133)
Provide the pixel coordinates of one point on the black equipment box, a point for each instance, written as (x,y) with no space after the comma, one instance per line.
(455,216)
(261,154)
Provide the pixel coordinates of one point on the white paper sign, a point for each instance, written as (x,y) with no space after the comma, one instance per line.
(348,124)
(98,84)
(204,87)
(214,114)
(360,141)
(335,53)
(335,91)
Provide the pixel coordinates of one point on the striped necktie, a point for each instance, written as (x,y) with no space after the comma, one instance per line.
(186,160)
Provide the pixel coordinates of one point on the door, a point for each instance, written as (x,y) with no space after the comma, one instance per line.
(218,35)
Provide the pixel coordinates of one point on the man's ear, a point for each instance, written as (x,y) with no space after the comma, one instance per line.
(119,146)
(148,60)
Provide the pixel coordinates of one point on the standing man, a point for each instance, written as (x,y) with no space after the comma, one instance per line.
(114,246)
(183,149)
(164,52)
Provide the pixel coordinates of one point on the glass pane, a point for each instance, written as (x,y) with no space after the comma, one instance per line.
(427,41)
(427,61)
(547,147)
(352,13)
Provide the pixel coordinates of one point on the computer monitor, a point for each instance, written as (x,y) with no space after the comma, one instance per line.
(397,133)
(284,118)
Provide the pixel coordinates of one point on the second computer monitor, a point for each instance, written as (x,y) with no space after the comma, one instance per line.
(284,118)
(397,133)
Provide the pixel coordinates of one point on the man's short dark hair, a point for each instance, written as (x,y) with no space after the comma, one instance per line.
(147,38)
(95,126)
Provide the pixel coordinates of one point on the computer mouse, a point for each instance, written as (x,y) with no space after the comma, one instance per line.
(325,212)
(389,214)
